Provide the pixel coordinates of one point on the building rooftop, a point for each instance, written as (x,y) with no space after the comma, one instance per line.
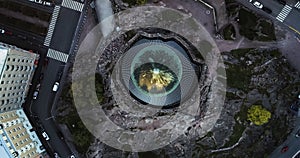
(3,152)
(3,55)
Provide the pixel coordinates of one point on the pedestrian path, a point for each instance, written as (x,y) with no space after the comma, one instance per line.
(284,13)
(52,26)
(297,5)
(72,5)
(57,55)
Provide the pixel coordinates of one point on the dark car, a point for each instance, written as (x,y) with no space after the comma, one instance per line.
(284,149)
(60,135)
(267,10)
(283,2)
(59,75)
(295,106)
(41,76)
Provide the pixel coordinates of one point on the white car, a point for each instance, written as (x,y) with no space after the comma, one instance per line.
(56,155)
(256,4)
(35,94)
(55,87)
(72,156)
(45,135)
(2,31)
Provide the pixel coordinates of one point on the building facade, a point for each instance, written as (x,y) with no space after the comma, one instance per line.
(17,137)
(16,70)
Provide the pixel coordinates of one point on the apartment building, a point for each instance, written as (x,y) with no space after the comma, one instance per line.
(16,70)
(18,139)
(17,136)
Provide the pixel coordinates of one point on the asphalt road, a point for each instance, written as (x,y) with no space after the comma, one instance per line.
(35,5)
(42,107)
(61,41)
(22,39)
(64,30)
(39,110)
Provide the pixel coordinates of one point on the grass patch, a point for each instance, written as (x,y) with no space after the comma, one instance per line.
(253,28)
(82,137)
(238,76)
(239,127)
(229,32)
(278,129)
(247,22)
(267,28)
(135,2)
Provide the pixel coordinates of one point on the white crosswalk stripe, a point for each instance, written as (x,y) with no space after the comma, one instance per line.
(72,5)
(284,13)
(57,55)
(297,5)
(51,26)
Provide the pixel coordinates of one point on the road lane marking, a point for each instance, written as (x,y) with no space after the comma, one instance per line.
(57,55)
(294,30)
(296,154)
(51,26)
(297,5)
(72,5)
(284,13)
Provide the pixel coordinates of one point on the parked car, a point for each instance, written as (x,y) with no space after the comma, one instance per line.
(35,94)
(47,3)
(38,86)
(283,2)
(45,135)
(267,10)
(257,4)
(284,149)
(55,87)
(72,156)
(2,31)
(295,106)
(41,76)
(59,74)
(60,135)
(56,155)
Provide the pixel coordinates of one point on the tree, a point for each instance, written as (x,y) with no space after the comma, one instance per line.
(258,115)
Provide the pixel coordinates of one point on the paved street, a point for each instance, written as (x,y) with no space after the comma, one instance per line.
(62,35)
(42,106)
(55,46)
(19,38)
